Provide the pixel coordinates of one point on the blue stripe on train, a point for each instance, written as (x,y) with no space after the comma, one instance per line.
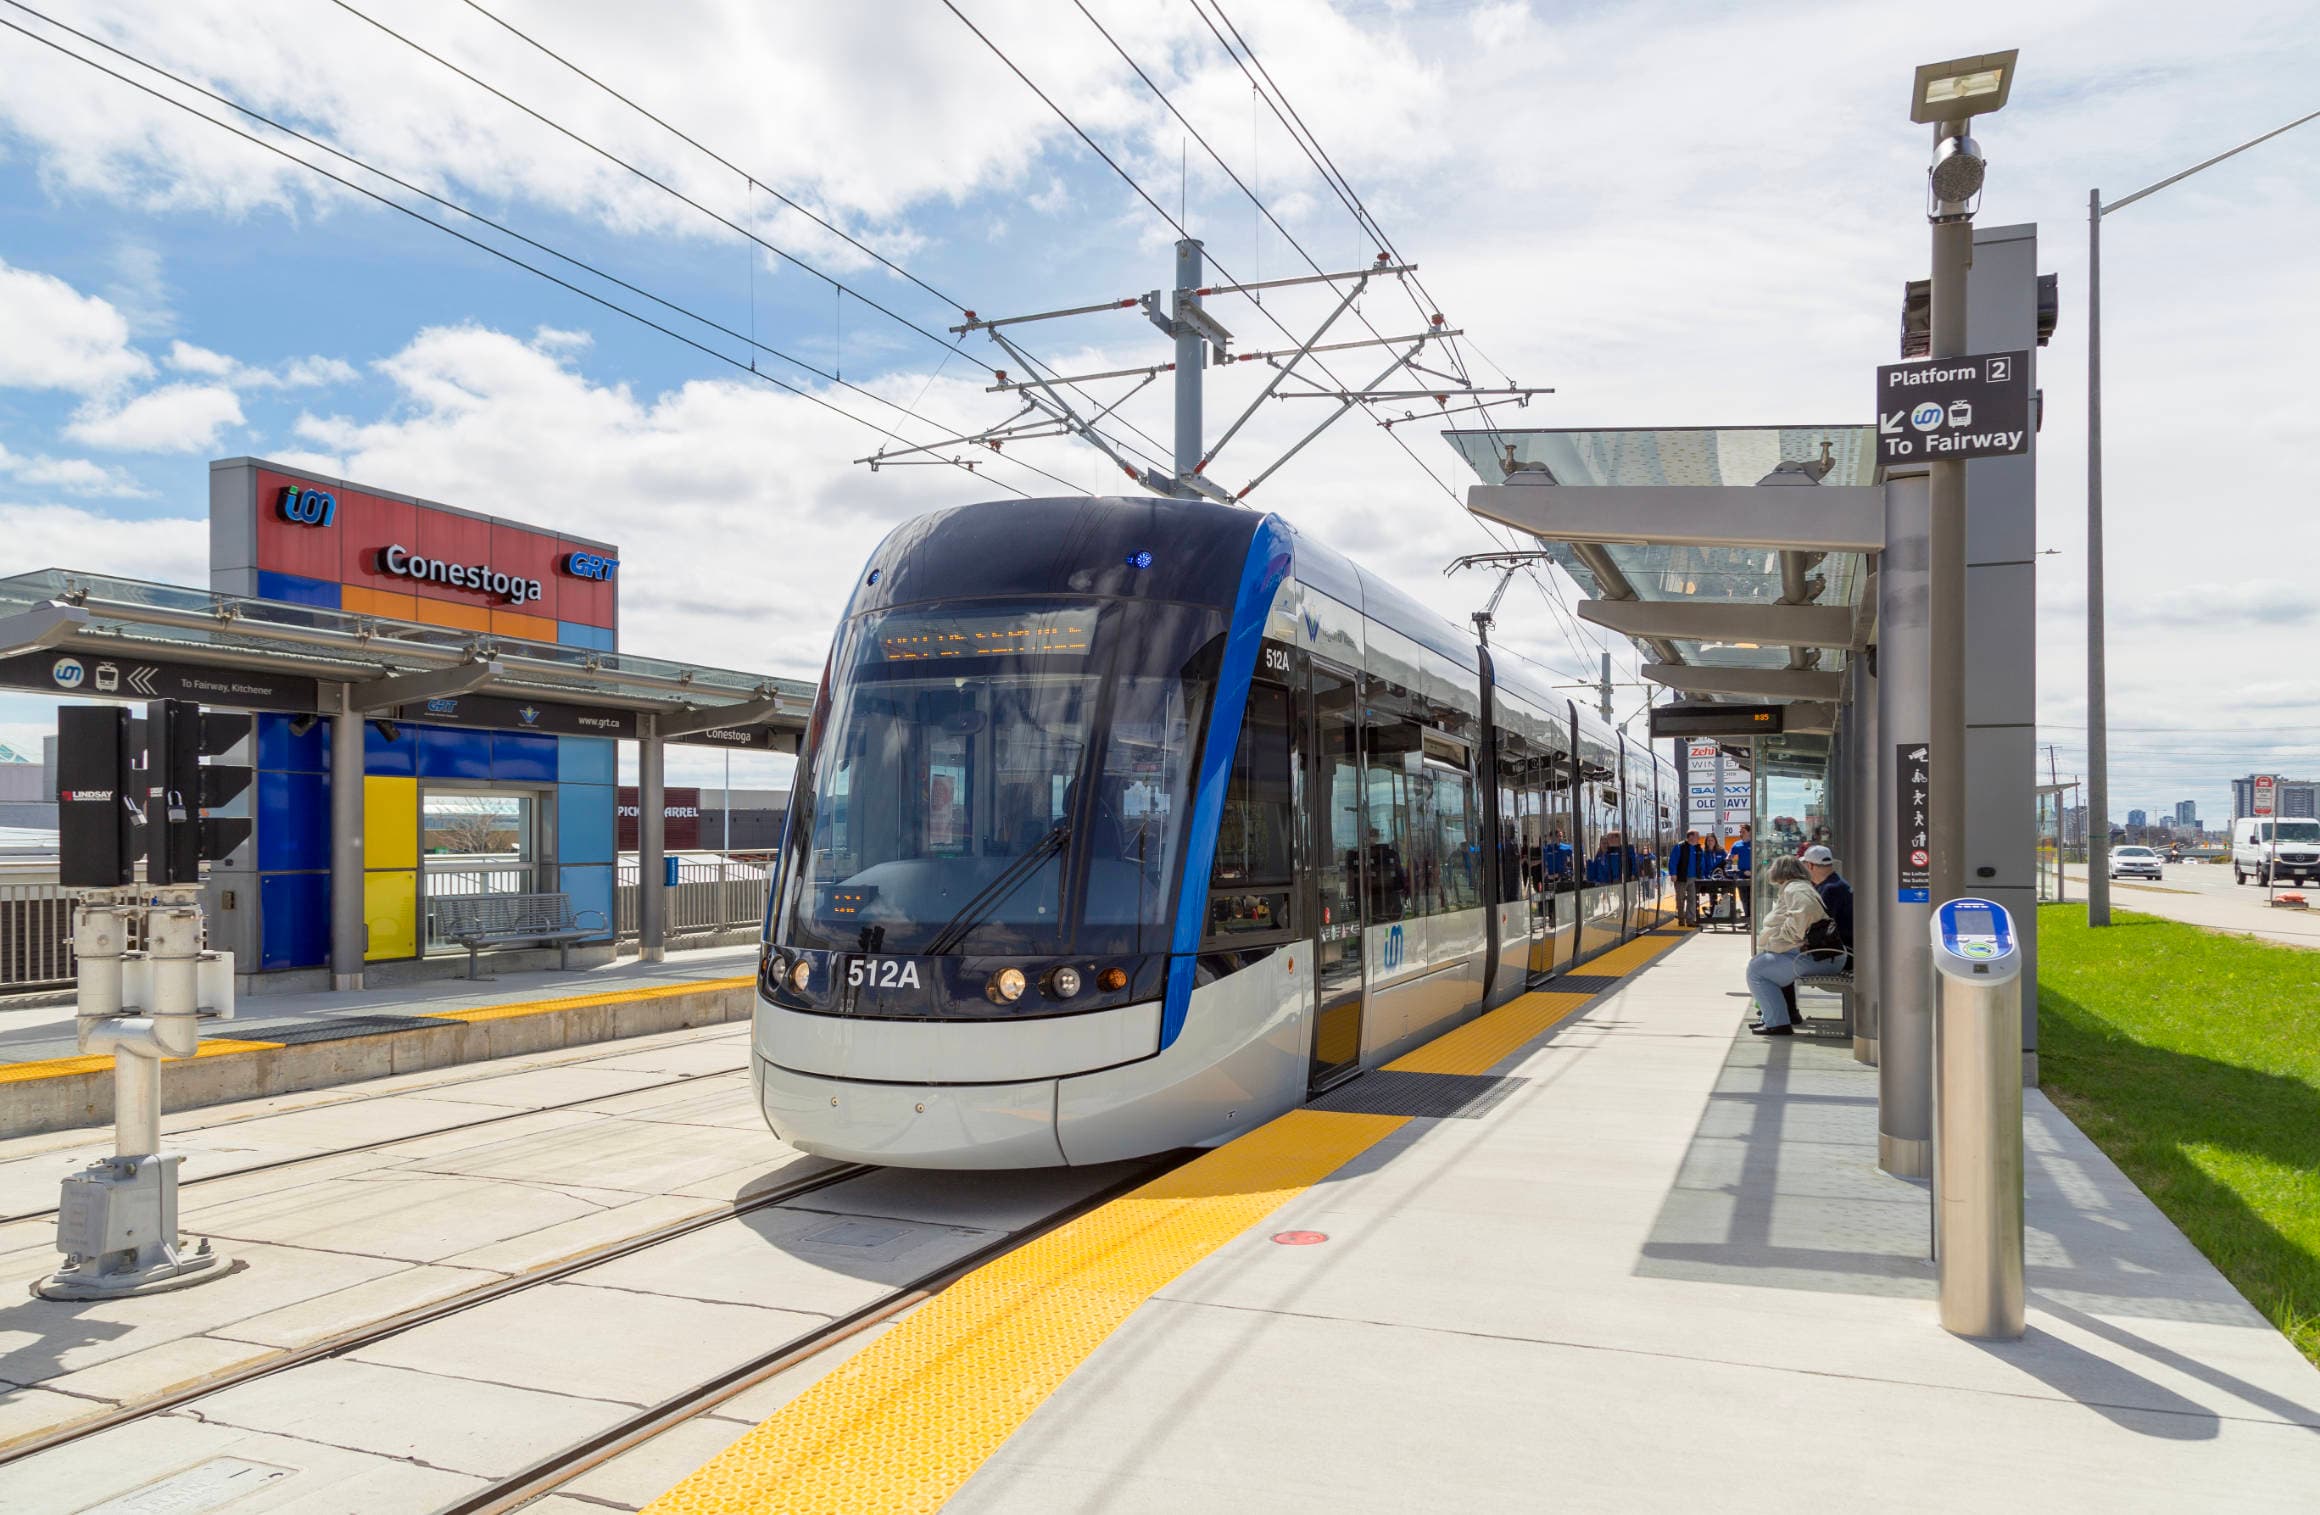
(1261,575)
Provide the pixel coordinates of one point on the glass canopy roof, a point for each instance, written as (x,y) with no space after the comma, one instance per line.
(1771,456)
(167,618)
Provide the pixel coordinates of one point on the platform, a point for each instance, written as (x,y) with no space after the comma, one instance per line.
(1659,1271)
(282,1043)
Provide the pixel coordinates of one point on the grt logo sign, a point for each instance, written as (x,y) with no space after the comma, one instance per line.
(587,565)
(307,507)
(402,563)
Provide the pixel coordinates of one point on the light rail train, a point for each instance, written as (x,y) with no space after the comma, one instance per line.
(1124,825)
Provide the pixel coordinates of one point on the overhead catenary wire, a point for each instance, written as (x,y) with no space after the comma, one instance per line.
(449,231)
(866,249)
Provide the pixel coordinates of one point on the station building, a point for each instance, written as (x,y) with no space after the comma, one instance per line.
(435,700)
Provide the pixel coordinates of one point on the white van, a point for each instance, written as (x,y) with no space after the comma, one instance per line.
(2258,853)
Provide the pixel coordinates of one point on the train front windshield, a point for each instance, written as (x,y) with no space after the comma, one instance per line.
(1001,777)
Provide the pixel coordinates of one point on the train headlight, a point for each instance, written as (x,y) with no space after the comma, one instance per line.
(1112,980)
(801,973)
(1063,983)
(1007,985)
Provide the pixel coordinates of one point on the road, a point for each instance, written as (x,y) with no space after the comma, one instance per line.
(2204,895)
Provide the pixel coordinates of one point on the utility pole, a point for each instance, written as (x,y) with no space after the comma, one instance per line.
(1953,256)
(1605,703)
(1189,358)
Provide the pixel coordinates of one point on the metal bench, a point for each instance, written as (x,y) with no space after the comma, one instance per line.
(477,921)
(1831,970)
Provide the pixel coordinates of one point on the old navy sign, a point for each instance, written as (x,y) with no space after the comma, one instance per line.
(402,563)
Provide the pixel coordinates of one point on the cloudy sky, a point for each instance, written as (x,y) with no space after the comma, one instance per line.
(1674,214)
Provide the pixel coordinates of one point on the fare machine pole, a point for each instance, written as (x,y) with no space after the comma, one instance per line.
(1977,1118)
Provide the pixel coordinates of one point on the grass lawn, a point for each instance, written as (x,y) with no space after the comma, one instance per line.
(2193,1059)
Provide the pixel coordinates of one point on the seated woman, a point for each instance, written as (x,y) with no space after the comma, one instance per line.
(1795,906)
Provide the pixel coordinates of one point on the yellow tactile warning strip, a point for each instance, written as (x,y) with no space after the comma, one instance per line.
(62,1067)
(903,1426)
(584,1001)
(66,1067)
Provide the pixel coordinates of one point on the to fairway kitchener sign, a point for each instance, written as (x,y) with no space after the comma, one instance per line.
(1946,410)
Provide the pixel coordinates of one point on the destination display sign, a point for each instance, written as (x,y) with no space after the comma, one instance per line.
(1715,720)
(500,714)
(1912,783)
(1947,410)
(136,678)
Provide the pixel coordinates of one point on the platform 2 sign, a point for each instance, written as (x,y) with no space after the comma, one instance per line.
(135,678)
(1947,410)
(1912,791)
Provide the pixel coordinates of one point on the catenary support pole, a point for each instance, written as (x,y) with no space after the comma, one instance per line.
(2098,758)
(1953,252)
(1190,375)
(346,843)
(651,822)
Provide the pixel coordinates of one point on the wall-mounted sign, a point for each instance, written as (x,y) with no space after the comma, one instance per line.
(1715,720)
(307,507)
(131,678)
(591,565)
(1912,781)
(403,563)
(520,715)
(680,819)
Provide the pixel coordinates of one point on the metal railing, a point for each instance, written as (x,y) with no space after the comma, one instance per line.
(36,925)
(467,877)
(711,895)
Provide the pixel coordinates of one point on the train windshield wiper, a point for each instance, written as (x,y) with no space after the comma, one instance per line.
(991,895)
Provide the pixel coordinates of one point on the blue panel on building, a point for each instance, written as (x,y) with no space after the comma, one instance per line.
(445,752)
(587,759)
(293,812)
(596,638)
(590,889)
(584,817)
(280,750)
(294,920)
(517,758)
(398,758)
(297,589)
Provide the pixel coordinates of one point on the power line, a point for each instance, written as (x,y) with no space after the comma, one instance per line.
(507,231)
(755,182)
(500,253)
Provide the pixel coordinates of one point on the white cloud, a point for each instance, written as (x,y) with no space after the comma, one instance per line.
(561,339)
(76,476)
(172,418)
(293,373)
(171,550)
(58,338)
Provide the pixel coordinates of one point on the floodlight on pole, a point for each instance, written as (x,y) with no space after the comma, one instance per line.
(1962,87)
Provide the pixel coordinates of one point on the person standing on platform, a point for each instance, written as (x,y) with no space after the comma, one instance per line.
(1685,861)
(1795,907)
(1737,864)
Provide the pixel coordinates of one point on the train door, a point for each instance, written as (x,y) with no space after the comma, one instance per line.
(1334,818)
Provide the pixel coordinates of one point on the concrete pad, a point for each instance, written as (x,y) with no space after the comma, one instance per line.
(721,1100)
(793,1260)
(600,1343)
(418,1150)
(365,1304)
(590,1233)
(723,1049)
(331,1127)
(541,1087)
(487,1429)
(605,1152)
(41,1339)
(734,1185)
(159,1453)
(411,1217)
(26,1413)
(163,1368)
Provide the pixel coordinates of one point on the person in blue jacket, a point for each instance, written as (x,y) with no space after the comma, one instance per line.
(1738,863)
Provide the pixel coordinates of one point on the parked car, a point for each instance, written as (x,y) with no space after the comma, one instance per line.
(2265,849)
(2134,862)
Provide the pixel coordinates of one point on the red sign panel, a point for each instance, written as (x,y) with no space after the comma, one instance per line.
(2267,789)
(680,819)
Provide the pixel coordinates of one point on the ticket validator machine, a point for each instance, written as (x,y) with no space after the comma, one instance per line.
(1977,1118)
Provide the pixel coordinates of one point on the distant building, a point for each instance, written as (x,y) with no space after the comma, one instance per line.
(2074,826)
(2187,815)
(2138,818)
(2298,797)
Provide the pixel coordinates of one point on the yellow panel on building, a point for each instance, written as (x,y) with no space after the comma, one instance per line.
(514,623)
(390,915)
(390,822)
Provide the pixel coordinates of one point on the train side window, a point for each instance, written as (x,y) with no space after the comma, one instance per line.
(1457,848)
(1251,882)
(1393,784)
(1557,864)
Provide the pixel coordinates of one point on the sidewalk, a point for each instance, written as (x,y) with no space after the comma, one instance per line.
(283,1043)
(1664,1273)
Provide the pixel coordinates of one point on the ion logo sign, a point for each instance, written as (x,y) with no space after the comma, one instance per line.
(308,507)
(405,564)
(67,672)
(588,565)
(1392,954)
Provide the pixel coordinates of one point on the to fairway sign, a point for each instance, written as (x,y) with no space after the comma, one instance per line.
(1945,410)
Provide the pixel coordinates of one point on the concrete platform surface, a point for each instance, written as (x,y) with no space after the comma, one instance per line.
(1665,1274)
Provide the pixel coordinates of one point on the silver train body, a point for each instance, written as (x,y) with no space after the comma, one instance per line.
(1128,825)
